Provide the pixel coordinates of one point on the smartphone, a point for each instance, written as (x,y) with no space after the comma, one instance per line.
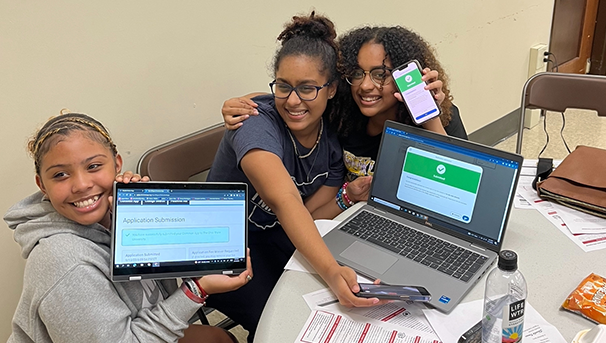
(420,102)
(393,292)
(473,335)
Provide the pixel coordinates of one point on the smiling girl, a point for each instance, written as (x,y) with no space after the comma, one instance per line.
(64,233)
(293,166)
(367,95)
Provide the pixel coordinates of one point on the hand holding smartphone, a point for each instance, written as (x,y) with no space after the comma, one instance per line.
(393,292)
(419,101)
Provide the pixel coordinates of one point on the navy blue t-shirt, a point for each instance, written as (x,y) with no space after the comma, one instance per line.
(267,131)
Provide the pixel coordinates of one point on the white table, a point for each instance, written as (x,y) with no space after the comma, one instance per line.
(551,263)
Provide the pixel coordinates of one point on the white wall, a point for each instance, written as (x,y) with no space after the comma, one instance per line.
(154,70)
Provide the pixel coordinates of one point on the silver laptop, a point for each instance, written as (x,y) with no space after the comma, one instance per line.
(436,214)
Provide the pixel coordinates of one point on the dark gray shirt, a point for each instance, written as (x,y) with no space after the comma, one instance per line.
(267,131)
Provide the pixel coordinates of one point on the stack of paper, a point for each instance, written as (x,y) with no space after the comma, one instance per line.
(403,322)
(585,230)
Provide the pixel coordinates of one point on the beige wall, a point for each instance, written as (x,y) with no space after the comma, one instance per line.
(155,70)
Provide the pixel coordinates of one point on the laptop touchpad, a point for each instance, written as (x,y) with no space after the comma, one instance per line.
(369,257)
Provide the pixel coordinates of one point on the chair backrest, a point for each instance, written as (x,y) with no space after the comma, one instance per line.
(182,158)
(560,91)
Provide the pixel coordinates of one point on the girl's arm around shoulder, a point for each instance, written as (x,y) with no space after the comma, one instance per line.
(236,110)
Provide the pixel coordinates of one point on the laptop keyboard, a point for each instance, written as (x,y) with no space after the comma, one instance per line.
(415,245)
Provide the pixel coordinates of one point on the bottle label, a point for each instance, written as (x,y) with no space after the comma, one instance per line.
(513,322)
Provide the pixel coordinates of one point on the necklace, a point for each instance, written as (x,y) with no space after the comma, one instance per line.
(312,148)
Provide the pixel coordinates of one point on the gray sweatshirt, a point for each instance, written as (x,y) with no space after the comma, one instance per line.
(68,295)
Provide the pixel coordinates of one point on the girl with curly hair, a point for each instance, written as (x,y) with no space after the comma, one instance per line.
(367,95)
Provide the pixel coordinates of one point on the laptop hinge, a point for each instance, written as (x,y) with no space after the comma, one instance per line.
(134,278)
(478,247)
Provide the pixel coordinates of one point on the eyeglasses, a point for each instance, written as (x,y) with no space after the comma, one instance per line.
(379,76)
(304,92)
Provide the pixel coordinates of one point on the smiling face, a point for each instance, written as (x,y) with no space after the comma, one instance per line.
(77,175)
(303,117)
(375,102)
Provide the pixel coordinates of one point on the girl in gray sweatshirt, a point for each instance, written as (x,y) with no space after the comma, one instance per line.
(63,231)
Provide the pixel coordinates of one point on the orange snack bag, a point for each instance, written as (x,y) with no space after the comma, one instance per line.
(589,299)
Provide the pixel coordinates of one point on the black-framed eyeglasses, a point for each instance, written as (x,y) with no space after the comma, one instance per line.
(282,90)
(379,76)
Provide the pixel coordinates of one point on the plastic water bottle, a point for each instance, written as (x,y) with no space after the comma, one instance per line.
(504,301)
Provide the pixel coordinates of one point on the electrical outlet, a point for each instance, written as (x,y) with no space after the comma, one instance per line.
(536,63)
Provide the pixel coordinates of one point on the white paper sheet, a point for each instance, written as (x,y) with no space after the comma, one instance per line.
(393,322)
(407,315)
(450,327)
(587,242)
(586,231)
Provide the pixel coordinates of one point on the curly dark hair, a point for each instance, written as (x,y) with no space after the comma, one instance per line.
(401,45)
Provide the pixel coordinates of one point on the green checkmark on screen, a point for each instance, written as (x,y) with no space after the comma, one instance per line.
(446,173)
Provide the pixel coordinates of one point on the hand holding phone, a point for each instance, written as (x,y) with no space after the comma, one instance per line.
(393,292)
(419,101)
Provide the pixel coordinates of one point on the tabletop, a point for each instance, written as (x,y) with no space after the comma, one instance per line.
(551,263)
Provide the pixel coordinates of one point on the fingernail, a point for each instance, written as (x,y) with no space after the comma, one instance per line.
(375,301)
(255,112)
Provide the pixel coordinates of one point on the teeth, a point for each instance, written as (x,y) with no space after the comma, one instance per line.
(88,202)
(297,113)
(374,98)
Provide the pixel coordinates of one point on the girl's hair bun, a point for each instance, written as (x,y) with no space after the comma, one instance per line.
(312,26)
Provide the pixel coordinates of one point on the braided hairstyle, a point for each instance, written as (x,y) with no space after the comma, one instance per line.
(313,36)
(401,45)
(62,126)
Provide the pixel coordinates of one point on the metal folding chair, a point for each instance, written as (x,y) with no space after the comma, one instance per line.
(558,92)
(182,158)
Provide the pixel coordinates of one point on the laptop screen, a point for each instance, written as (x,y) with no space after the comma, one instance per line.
(178,229)
(448,183)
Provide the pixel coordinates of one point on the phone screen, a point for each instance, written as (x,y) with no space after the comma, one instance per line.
(414,293)
(418,100)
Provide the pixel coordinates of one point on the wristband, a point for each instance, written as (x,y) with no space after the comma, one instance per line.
(192,291)
(203,293)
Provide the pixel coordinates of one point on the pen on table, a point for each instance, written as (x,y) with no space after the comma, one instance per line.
(328,302)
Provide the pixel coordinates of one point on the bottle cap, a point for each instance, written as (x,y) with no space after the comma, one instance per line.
(508,260)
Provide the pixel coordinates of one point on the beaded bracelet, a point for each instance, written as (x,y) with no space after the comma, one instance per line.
(345,197)
(339,199)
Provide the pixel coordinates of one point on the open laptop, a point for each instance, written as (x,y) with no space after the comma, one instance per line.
(178,229)
(436,214)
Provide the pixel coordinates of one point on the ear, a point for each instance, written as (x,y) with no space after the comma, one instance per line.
(40,184)
(332,89)
(118,161)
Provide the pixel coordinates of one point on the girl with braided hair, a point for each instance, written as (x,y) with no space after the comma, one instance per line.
(64,233)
